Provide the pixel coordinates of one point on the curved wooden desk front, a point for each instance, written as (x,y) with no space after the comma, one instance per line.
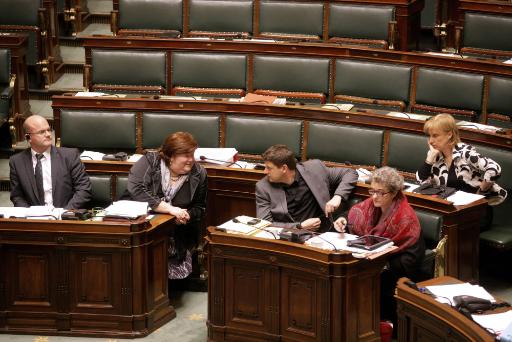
(84,278)
(272,290)
(422,318)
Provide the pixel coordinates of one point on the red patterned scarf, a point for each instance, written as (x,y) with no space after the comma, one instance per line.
(400,224)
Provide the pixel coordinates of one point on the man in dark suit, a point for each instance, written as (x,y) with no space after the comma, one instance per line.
(46,175)
(298,194)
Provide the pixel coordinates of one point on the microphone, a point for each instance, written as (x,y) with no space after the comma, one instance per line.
(229,163)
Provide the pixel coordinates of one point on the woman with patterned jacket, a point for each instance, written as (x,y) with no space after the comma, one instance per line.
(458,165)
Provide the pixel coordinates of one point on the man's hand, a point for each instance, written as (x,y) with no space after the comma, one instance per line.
(340,224)
(432,155)
(332,205)
(311,224)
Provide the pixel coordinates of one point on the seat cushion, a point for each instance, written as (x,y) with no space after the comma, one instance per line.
(129,67)
(254,135)
(372,80)
(221,15)
(209,70)
(98,130)
(487,31)
(156,126)
(291,74)
(443,88)
(342,144)
(302,18)
(360,21)
(150,15)
(399,151)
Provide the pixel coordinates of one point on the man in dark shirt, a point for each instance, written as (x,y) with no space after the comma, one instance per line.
(298,194)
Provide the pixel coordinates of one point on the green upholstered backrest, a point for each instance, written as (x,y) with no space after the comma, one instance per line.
(449,89)
(154,14)
(156,126)
(291,74)
(98,130)
(291,17)
(500,96)
(431,225)
(19,12)
(5,65)
(502,157)
(128,67)
(339,143)
(255,135)
(121,185)
(221,15)
(101,191)
(372,80)
(487,31)
(360,21)
(209,70)
(399,151)
(428,14)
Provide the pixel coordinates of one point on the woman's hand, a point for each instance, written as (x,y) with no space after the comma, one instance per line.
(340,224)
(181,215)
(485,186)
(432,155)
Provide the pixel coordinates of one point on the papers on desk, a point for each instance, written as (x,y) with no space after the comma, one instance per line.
(220,156)
(445,293)
(34,212)
(330,240)
(127,209)
(494,322)
(338,106)
(91,155)
(240,225)
(463,198)
(421,117)
(476,125)
(363,175)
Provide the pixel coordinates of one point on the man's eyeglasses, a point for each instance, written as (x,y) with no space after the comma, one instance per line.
(378,193)
(42,132)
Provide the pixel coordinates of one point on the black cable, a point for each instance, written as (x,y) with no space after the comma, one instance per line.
(82,157)
(52,216)
(263,229)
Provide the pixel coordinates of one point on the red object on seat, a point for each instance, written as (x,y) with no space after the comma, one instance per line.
(386,331)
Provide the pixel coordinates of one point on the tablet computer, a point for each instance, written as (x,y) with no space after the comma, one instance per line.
(368,242)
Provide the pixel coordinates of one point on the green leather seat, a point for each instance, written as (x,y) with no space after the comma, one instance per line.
(288,19)
(399,151)
(121,186)
(306,79)
(101,191)
(431,226)
(156,126)
(487,32)
(499,235)
(443,91)
(129,71)
(22,16)
(6,90)
(342,144)
(201,73)
(151,15)
(98,131)
(367,84)
(221,17)
(363,22)
(254,135)
(499,103)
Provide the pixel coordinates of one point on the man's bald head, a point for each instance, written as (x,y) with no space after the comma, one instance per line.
(34,121)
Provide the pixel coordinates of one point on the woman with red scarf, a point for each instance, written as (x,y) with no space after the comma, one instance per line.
(387,213)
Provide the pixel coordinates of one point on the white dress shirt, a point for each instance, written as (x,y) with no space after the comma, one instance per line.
(46,165)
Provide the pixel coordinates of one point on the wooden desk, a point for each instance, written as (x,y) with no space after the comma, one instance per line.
(422,318)
(84,278)
(231,192)
(272,290)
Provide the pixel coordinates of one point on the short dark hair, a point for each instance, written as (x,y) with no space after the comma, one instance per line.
(280,155)
(177,143)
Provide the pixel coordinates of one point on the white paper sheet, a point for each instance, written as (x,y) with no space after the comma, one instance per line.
(91,155)
(128,209)
(494,322)
(463,198)
(445,293)
(220,156)
(330,240)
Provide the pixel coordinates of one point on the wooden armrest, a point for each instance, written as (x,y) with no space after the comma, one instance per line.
(364,100)
(292,94)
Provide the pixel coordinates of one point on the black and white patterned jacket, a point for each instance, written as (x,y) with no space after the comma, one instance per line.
(472,168)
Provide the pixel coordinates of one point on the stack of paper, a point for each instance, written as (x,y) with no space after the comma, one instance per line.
(494,322)
(127,209)
(221,156)
(91,155)
(243,225)
(330,240)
